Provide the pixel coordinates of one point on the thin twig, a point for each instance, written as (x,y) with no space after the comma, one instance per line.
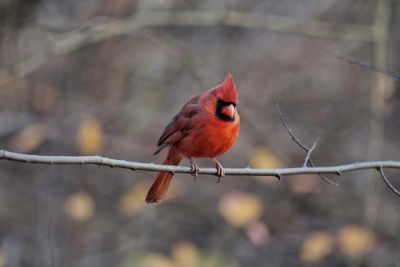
(387,182)
(368,65)
(283,121)
(302,146)
(307,158)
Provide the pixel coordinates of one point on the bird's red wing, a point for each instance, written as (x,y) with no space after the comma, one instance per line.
(180,126)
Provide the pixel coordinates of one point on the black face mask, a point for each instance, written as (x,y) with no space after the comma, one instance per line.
(218,111)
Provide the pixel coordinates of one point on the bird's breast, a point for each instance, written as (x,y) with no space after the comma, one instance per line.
(210,138)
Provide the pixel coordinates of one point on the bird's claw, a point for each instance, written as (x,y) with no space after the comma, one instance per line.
(220,171)
(194,169)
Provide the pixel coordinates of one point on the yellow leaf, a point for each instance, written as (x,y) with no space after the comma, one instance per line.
(185,254)
(240,209)
(79,206)
(264,158)
(155,260)
(355,240)
(132,201)
(316,246)
(29,138)
(90,136)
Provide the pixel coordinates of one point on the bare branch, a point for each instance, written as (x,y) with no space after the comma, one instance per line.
(368,65)
(387,182)
(132,165)
(302,146)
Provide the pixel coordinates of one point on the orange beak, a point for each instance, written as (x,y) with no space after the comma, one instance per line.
(228,111)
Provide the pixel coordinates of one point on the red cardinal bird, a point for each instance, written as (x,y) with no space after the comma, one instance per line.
(207,126)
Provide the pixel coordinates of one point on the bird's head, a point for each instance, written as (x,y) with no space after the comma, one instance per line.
(223,99)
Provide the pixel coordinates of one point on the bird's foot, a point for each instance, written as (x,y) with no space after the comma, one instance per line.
(194,169)
(220,170)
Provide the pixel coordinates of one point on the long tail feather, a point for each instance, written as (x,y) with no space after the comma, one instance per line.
(161,184)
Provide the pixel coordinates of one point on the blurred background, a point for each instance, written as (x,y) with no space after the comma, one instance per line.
(105,77)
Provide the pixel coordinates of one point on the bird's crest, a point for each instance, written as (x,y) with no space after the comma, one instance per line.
(227,90)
